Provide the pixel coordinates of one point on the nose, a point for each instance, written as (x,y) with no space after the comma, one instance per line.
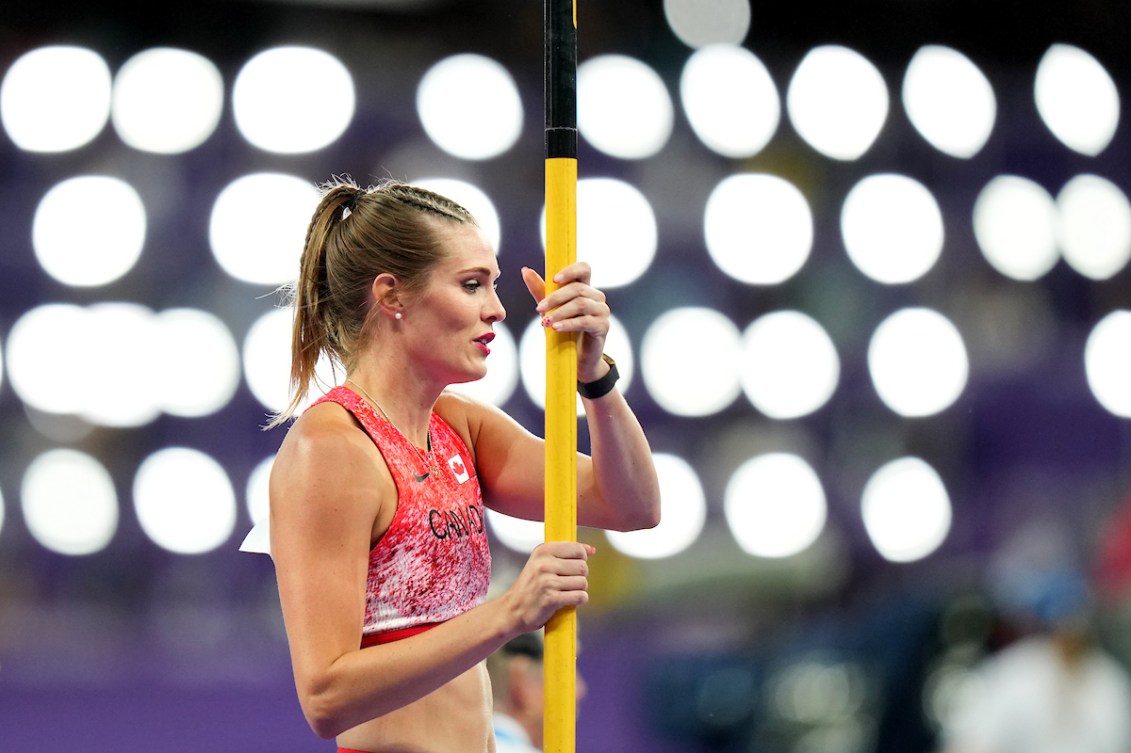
(494,311)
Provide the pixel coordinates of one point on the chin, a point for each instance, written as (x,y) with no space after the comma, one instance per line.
(466,377)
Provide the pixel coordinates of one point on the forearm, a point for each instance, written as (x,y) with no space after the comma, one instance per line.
(621,491)
(358,685)
(368,683)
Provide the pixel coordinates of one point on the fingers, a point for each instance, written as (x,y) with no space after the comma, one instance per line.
(534,283)
(569,283)
(575,306)
(555,576)
(567,550)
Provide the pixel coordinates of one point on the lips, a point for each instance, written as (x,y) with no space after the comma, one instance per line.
(484,341)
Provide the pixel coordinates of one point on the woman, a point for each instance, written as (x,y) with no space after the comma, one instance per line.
(377,492)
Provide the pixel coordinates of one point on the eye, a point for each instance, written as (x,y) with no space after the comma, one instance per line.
(472,286)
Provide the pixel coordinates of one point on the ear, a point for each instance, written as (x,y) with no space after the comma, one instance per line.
(385,291)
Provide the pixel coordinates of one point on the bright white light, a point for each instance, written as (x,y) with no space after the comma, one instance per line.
(89,230)
(502,371)
(837,101)
(775,505)
(267,358)
(699,24)
(167,100)
(623,107)
(258,493)
(690,360)
(291,100)
(258,226)
(470,107)
(532,358)
(892,228)
(184,501)
(42,357)
(1015,224)
(196,362)
(906,510)
(616,231)
(122,334)
(758,228)
(471,198)
(683,511)
(730,99)
(69,502)
(1107,361)
(267,362)
(54,99)
(790,366)
(50,344)
(1095,226)
(258,539)
(516,534)
(1077,99)
(918,362)
(949,101)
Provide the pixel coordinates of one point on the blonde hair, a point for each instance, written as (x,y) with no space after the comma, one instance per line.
(355,235)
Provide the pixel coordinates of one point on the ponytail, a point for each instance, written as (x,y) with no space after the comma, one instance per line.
(310,335)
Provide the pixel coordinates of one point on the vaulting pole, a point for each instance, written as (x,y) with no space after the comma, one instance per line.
(561,360)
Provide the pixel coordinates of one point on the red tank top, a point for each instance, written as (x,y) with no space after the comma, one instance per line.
(434,562)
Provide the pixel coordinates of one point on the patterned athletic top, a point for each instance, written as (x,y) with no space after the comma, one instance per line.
(433,563)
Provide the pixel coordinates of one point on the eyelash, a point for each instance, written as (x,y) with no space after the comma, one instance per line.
(473,286)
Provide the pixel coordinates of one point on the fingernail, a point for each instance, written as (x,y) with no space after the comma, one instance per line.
(546,322)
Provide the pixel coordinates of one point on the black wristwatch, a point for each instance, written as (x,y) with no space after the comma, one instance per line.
(604,385)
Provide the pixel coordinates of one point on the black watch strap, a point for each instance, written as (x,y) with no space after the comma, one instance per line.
(602,386)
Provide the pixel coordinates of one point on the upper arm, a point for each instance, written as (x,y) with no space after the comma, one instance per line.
(326,492)
(511,462)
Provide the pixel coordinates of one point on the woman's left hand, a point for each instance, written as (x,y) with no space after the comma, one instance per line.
(574,306)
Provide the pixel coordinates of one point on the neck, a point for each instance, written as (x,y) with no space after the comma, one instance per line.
(406,409)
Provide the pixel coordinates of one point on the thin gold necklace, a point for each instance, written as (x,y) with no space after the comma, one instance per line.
(426,456)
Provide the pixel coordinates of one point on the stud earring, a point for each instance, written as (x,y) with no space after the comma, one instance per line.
(398,315)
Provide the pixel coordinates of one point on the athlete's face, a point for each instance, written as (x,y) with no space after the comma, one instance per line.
(455,313)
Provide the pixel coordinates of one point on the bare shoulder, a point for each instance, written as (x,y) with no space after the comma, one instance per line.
(475,420)
(327,459)
(325,434)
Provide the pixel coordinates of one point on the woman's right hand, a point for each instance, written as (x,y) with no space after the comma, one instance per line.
(555,576)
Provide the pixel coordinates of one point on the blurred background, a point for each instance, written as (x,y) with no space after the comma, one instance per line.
(869,268)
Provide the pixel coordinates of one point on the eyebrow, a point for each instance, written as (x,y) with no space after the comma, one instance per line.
(479,270)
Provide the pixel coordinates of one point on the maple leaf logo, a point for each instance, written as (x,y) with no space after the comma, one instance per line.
(458,468)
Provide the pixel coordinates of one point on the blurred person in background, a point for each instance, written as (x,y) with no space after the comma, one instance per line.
(377,525)
(1052,689)
(518,691)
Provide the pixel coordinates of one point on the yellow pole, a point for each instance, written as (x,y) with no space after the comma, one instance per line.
(561,463)
(560,670)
